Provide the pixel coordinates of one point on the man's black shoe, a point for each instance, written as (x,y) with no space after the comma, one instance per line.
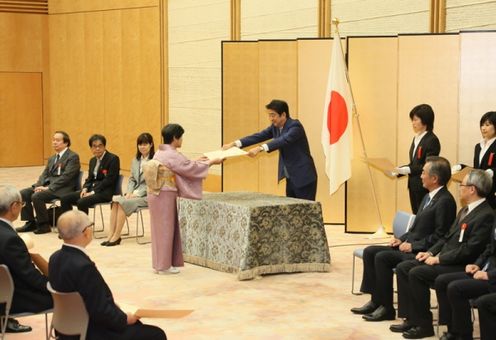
(13,326)
(418,332)
(400,328)
(43,229)
(367,308)
(380,314)
(29,226)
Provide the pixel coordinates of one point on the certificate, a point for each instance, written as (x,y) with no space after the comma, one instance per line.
(231,152)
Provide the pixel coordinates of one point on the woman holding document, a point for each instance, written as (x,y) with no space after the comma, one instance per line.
(168,176)
(424,144)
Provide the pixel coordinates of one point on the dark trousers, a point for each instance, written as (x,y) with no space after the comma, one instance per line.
(84,203)
(36,200)
(487,316)
(414,280)
(307,192)
(416,197)
(136,331)
(454,292)
(378,265)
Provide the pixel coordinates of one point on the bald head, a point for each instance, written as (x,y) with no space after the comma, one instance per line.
(73,226)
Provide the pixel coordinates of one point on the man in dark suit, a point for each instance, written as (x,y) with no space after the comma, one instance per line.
(464,242)
(295,161)
(454,290)
(435,216)
(59,178)
(30,292)
(103,175)
(424,144)
(486,304)
(71,270)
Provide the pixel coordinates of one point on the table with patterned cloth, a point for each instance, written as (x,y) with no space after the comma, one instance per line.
(253,234)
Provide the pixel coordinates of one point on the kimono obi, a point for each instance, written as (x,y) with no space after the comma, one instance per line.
(158,176)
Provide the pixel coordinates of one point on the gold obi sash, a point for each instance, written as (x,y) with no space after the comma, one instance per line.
(158,176)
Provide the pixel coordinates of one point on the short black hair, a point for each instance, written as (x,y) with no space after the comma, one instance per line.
(426,115)
(145,138)
(170,131)
(441,168)
(65,137)
(489,117)
(278,106)
(96,137)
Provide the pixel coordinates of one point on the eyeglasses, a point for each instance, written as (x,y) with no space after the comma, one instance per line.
(466,185)
(88,226)
(23,204)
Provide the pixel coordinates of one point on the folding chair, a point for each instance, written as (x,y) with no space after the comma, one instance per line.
(6,294)
(402,221)
(69,314)
(139,217)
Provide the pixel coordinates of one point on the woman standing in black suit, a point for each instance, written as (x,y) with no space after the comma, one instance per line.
(424,144)
(485,152)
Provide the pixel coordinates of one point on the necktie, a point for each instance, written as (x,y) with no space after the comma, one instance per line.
(428,201)
(55,164)
(97,166)
(463,213)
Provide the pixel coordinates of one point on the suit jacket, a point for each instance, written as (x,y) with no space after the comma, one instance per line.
(294,151)
(428,146)
(431,222)
(30,292)
(488,162)
(71,270)
(136,180)
(107,176)
(479,224)
(66,181)
(489,255)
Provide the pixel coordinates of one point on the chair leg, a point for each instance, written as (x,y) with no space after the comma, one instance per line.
(47,334)
(95,230)
(139,216)
(353,278)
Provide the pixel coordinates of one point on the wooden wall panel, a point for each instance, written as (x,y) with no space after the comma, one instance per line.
(105,77)
(314,56)
(21,117)
(240,80)
(71,6)
(373,72)
(477,88)
(278,67)
(428,73)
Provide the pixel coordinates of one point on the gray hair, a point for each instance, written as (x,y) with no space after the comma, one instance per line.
(8,195)
(481,181)
(72,223)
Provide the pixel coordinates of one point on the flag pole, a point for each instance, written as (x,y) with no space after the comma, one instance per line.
(380,231)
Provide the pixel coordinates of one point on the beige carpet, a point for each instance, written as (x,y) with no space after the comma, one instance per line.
(283,306)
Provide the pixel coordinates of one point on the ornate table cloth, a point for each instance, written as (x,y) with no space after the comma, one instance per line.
(253,234)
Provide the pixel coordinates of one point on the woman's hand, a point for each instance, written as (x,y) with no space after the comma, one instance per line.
(215,161)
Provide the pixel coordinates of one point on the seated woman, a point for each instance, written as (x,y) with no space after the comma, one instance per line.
(136,190)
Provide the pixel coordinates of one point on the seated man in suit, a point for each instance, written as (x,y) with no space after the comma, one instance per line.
(464,242)
(486,306)
(59,178)
(454,290)
(71,270)
(436,214)
(103,175)
(30,292)
(288,136)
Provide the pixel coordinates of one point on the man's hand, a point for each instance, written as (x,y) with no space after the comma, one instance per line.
(254,151)
(131,319)
(40,188)
(432,260)
(394,242)
(83,192)
(86,193)
(480,275)
(228,146)
(406,247)
(471,268)
(422,256)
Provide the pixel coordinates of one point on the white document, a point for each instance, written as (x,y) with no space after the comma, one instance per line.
(232,152)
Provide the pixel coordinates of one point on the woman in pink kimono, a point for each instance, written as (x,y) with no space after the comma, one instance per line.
(188,176)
